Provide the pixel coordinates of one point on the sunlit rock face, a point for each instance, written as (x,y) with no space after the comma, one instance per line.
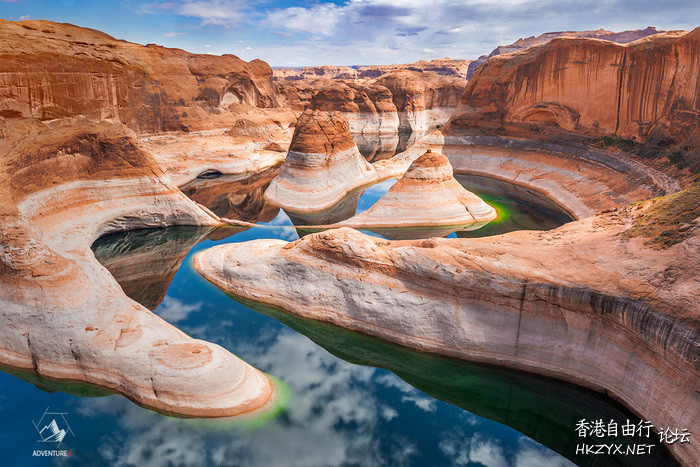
(522,44)
(397,101)
(51,70)
(64,184)
(647,90)
(426,201)
(322,166)
(622,321)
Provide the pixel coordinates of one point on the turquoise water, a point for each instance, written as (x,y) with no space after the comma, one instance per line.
(353,400)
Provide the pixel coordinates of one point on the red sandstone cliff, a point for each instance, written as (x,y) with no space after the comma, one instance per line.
(50,70)
(396,101)
(522,44)
(647,91)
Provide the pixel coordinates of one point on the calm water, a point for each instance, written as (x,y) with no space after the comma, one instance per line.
(350,399)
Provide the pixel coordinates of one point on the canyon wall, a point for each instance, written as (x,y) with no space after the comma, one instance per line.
(50,70)
(398,101)
(524,43)
(647,91)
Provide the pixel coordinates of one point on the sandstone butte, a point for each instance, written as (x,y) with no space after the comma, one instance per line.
(590,302)
(322,166)
(644,96)
(397,101)
(65,183)
(426,199)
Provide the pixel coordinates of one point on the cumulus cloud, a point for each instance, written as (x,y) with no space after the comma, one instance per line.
(216,12)
(460,29)
(173,310)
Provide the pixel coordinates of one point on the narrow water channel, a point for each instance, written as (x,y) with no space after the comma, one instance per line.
(349,399)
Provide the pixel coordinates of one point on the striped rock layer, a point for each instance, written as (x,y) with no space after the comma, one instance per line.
(322,165)
(64,316)
(586,303)
(426,196)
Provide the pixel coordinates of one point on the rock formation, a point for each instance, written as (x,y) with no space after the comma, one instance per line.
(66,183)
(522,44)
(234,197)
(323,165)
(645,91)
(426,201)
(398,101)
(51,70)
(144,262)
(439,66)
(593,302)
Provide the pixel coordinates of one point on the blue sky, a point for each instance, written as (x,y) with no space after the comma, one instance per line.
(295,33)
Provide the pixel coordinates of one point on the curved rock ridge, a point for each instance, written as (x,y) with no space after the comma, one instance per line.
(64,316)
(322,165)
(581,303)
(579,179)
(427,196)
(646,91)
(396,101)
(51,70)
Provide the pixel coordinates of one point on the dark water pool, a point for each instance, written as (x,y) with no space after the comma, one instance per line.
(349,399)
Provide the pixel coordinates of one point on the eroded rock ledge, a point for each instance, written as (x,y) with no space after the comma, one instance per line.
(586,303)
(63,315)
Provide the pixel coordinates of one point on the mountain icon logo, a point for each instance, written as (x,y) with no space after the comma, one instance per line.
(53,427)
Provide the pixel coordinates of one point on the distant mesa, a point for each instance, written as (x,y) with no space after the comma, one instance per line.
(440,66)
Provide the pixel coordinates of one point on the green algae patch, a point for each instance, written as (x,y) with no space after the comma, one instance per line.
(668,220)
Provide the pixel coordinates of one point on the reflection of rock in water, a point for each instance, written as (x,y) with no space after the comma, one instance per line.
(377,147)
(425,202)
(519,208)
(342,210)
(234,197)
(144,262)
(543,409)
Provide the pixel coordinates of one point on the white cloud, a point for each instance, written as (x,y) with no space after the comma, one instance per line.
(173,310)
(219,12)
(173,34)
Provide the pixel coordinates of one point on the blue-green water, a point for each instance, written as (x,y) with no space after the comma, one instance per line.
(353,400)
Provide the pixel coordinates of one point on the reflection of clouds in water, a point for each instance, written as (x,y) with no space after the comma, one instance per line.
(173,310)
(372,194)
(283,227)
(532,455)
(409,393)
(490,453)
(332,419)
(336,415)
